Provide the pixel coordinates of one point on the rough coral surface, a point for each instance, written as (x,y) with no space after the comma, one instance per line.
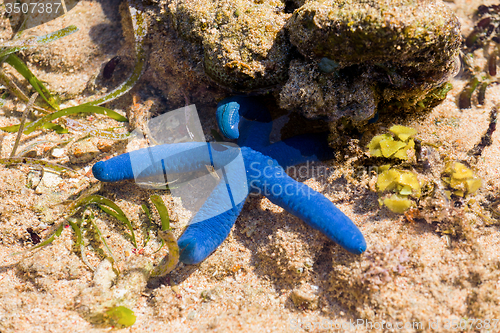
(386,51)
(377,31)
(244,44)
(380,53)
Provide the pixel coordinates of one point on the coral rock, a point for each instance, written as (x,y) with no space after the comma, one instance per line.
(244,43)
(400,50)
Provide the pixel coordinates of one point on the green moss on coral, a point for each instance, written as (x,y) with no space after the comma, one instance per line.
(378,31)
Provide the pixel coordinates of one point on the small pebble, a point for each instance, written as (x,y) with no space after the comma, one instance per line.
(309,262)
(105,145)
(304,298)
(109,68)
(34,178)
(57,152)
(191,315)
(327,65)
(83,151)
(48,182)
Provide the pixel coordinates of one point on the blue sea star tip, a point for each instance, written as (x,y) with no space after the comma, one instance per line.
(232,108)
(247,120)
(119,170)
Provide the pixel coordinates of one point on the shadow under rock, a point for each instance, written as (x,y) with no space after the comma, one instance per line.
(108,36)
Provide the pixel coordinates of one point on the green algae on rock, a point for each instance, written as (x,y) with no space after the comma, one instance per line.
(403,50)
(330,59)
(414,35)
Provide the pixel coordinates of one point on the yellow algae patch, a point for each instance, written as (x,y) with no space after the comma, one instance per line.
(397,146)
(390,147)
(461,179)
(404,183)
(387,180)
(402,153)
(374,145)
(398,204)
(473,185)
(403,132)
(401,180)
(459,171)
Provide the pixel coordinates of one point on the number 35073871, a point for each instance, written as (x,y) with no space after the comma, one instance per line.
(25,8)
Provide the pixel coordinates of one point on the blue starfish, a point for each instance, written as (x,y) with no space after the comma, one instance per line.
(250,122)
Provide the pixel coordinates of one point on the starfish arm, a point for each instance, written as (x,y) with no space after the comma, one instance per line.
(305,203)
(114,169)
(200,239)
(245,119)
(165,159)
(254,134)
(300,149)
(213,222)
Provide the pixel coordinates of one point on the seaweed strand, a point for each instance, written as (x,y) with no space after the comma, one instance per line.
(486,138)
(23,121)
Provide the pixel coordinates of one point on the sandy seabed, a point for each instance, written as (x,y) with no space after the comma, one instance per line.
(413,278)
